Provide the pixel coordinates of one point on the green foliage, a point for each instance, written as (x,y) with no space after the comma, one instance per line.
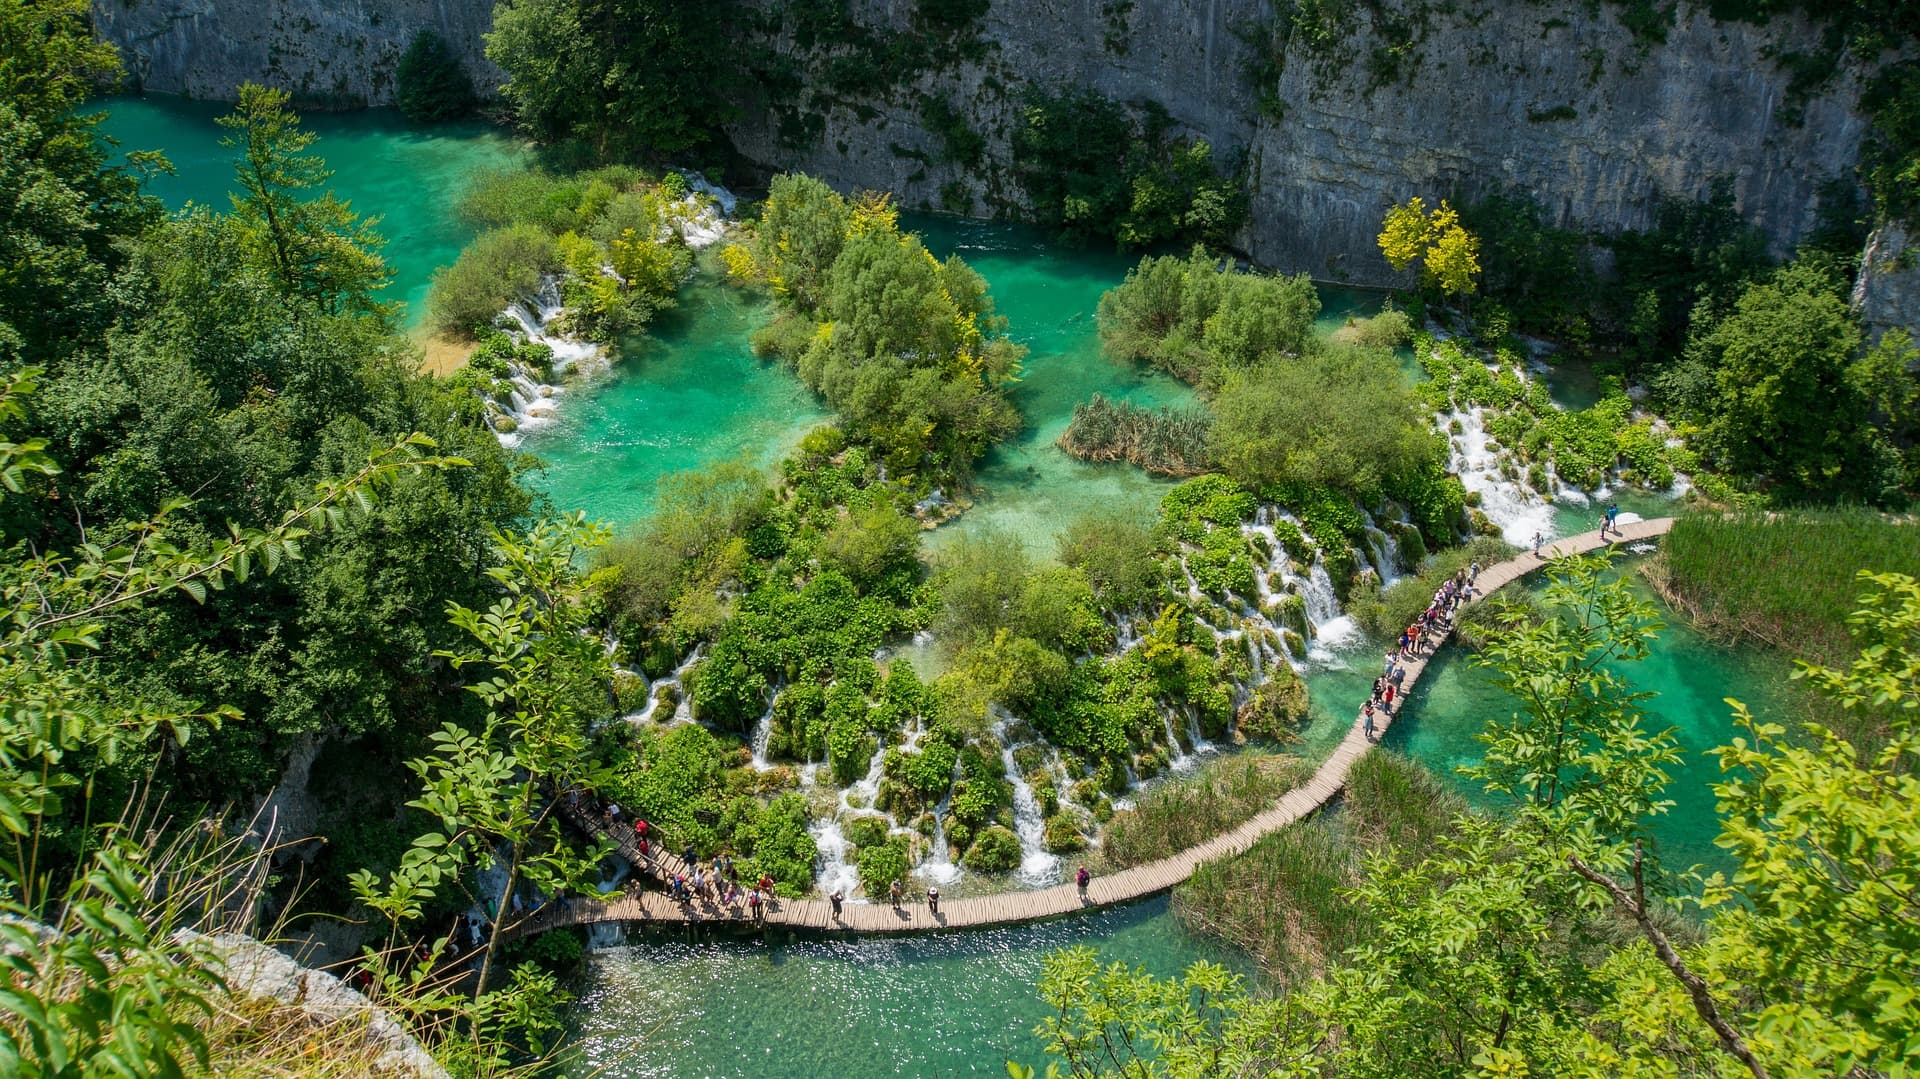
(1580,743)
(647,90)
(1784,397)
(881,865)
(429,83)
(995,850)
(1827,841)
(500,267)
(1449,254)
(1118,556)
(907,348)
(1388,611)
(1094,167)
(1786,579)
(1584,446)
(1200,320)
(1340,416)
(1162,441)
(608,233)
(315,246)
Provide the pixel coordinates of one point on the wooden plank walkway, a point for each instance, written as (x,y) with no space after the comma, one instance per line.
(1009,908)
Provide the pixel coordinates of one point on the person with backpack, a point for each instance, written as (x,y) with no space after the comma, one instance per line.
(1081,879)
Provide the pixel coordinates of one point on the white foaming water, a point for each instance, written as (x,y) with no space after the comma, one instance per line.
(763,735)
(833,873)
(939,867)
(645,714)
(1518,510)
(533,317)
(1037,866)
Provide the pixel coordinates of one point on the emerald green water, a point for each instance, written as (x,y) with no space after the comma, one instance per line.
(1691,677)
(689,394)
(409,176)
(956,1004)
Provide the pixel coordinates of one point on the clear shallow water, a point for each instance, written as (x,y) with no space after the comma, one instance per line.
(409,176)
(957,1004)
(689,394)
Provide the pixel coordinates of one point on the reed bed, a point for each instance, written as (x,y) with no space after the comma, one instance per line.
(1171,442)
(1784,579)
(1186,811)
(1283,901)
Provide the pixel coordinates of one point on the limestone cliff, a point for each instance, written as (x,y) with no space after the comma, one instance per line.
(1556,99)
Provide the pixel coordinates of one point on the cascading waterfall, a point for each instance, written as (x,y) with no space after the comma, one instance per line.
(763,735)
(1037,866)
(683,709)
(1515,508)
(832,871)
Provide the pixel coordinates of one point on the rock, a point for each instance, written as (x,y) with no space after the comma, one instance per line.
(1556,99)
(253,970)
(1887,294)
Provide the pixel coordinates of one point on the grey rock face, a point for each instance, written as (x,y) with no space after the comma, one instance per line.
(1887,293)
(1553,100)
(339,53)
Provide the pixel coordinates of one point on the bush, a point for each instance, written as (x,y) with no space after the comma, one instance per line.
(995,850)
(883,864)
(1063,834)
(429,83)
(498,268)
(1185,811)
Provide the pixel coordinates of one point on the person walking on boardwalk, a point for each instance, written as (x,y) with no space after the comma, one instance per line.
(1611,523)
(933,900)
(1473,574)
(1538,539)
(756,906)
(1081,879)
(836,899)
(1366,714)
(893,892)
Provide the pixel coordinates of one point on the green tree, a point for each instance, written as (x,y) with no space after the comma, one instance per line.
(492,791)
(429,82)
(1340,416)
(318,248)
(1580,744)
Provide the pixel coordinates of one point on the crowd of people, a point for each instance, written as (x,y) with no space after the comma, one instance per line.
(1417,641)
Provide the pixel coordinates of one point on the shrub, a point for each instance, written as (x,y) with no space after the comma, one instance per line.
(995,850)
(882,864)
(499,267)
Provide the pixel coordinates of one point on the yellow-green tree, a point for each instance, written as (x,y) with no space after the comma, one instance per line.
(1448,254)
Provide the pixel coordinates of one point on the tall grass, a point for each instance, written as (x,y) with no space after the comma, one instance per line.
(1785,579)
(1283,901)
(1168,441)
(1186,811)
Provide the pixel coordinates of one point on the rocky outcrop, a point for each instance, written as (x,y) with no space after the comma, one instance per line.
(1557,100)
(326,52)
(1887,292)
(354,1028)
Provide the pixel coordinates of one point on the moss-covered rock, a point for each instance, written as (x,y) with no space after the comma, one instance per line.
(996,850)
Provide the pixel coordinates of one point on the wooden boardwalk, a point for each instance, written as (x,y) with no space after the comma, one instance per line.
(650,907)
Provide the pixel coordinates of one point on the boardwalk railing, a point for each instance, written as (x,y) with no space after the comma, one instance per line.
(1014,907)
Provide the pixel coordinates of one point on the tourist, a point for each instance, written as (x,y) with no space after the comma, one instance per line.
(1609,525)
(1386,700)
(641,828)
(754,905)
(646,849)
(1399,676)
(1473,574)
(1366,714)
(613,812)
(686,854)
(1081,878)
(893,892)
(1392,658)
(933,900)
(699,881)
(836,899)
(765,884)
(1538,539)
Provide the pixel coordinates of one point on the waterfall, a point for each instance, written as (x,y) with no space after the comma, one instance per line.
(653,693)
(530,321)
(1177,758)
(604,935)
(939,867)
(1517,509)
(834,873)
(1037,866)
(763,734)
(832,870)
